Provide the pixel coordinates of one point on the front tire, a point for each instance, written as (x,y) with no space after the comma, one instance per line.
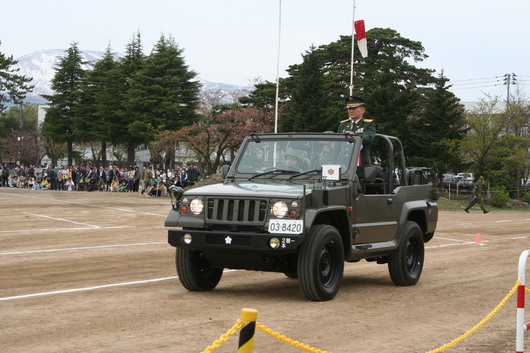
(321,263)
(195,272)
(406,262)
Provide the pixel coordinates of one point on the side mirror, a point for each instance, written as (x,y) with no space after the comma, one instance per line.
(224,170)
(175,193)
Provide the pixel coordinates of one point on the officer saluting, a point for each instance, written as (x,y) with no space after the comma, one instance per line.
(356,124)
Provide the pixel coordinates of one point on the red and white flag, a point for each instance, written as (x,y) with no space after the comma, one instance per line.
(361,37)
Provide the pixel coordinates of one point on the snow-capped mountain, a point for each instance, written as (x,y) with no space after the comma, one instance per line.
(40,65)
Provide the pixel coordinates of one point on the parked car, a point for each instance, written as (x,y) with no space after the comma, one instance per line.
(449,181)
(466,176)
(466,185)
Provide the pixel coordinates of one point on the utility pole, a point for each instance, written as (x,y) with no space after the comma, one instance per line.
(278,67)
(20,131)
(509,79)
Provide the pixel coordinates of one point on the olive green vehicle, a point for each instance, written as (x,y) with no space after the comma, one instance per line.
(305,218)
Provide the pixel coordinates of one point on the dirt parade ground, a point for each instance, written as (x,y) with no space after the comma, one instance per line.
(92,272)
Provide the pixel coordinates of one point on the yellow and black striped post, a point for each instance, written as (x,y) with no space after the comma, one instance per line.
(246,335)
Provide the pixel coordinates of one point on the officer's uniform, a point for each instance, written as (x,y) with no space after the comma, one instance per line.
(364,127)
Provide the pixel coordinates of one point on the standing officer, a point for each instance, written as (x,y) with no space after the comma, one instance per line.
(478,190)
(356,124)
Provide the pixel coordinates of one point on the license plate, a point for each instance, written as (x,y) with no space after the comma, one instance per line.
(286,226)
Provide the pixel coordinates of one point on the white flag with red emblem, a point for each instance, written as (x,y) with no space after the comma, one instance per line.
(361,37)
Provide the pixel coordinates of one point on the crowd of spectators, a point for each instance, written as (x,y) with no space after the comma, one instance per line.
(148,181)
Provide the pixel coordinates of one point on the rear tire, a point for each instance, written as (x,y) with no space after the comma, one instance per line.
(195,272)
(406,262)
(321,263)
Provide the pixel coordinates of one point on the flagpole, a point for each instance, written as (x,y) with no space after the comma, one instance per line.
(352,48)
(278,68)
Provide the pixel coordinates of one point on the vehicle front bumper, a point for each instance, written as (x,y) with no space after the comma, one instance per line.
(234,241)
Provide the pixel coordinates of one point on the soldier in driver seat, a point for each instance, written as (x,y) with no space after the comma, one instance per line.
(295,160)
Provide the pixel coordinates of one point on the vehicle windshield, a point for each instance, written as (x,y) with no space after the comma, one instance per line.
(273,157)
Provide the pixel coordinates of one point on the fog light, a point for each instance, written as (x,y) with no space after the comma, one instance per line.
(187,238)
(274,243)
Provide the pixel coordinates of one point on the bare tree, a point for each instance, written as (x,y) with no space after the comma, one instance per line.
(209,99)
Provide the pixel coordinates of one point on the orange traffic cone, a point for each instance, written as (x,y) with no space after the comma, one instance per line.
(477,239)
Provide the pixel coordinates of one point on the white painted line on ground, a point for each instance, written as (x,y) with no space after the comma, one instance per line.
(80,248)
(505,221)
(62,219)
(86,288)
(96,206)
(448,245)
(94,287)
(60,229)
(483,242)
(450,239)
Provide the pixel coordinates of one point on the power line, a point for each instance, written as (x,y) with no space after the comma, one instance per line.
(477,79)
(488,83)
(505,81)
(473,87)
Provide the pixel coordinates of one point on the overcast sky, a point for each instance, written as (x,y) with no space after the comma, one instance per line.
(475,42)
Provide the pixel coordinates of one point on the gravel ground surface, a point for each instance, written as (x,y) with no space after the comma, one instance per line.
(92,272)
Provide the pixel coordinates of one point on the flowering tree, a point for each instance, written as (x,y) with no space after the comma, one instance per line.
(212,139)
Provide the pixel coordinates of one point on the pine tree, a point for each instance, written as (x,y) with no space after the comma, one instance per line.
(13,87)
(310,97)
(102,103)
(164,94)
(130,65)
(62,117)
(263,96)
(387,79)
(437,129)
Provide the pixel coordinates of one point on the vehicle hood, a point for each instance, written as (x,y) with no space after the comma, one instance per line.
(274,189)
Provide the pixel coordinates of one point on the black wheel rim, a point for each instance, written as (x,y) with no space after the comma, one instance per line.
(412,260)
(327,265)
(203,265)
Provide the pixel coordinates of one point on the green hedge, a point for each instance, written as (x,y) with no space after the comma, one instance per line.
(500,197)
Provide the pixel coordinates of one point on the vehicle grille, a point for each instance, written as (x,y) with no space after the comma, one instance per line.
(236,210)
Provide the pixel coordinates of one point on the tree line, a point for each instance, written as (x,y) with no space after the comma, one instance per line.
(156,101)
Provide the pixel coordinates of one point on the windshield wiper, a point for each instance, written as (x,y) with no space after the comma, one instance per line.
(276,170)
(304,173)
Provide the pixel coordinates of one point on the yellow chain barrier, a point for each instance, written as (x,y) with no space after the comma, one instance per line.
(217,343)
(480,324)
(282,338)
(239,324)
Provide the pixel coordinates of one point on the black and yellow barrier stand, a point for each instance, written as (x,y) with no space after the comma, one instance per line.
(246,335)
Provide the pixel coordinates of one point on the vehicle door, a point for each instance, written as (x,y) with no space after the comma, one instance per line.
(377,208)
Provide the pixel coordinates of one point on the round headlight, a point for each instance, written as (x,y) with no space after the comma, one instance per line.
(196,206)
(279,209)
(187,238)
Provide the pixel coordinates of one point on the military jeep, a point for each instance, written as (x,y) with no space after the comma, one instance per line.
(305,219)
